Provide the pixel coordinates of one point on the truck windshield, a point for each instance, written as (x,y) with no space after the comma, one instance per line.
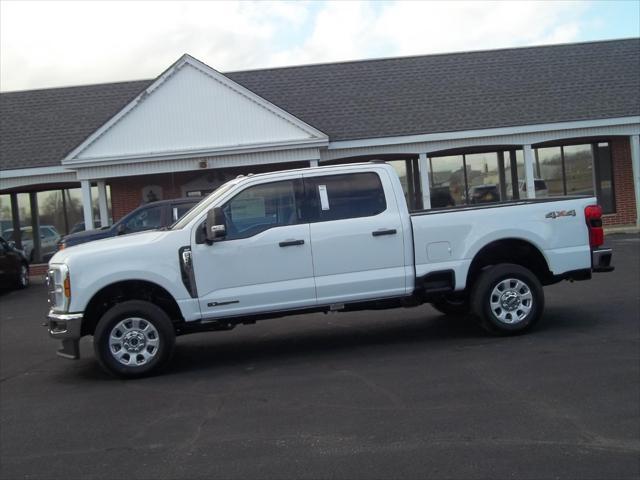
(203,205)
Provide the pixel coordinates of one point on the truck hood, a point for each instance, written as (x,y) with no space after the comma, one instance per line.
(109,246)
(88,235)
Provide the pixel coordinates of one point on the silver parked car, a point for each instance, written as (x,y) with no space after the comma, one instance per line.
(49,238)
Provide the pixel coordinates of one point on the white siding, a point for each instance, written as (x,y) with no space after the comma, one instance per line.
(192,110)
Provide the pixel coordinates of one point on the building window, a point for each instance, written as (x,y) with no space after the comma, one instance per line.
(548,168)
(448,183)
(581,169)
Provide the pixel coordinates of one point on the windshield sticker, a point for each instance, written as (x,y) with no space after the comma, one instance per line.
(324,198)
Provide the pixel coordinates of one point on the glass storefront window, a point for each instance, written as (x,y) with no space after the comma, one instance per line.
(578,167)
(447,181)
(51,210)
(548,168)
(75,217)
(483,177)
(5,214)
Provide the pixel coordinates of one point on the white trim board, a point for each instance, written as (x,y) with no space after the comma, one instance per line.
(488,132)
(191,154)
(35,176)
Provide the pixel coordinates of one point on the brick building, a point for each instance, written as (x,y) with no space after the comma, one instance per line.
(459,128)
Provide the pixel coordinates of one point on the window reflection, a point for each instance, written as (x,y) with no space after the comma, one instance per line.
(483,177)
(447,181)
(578,165)
(549,168)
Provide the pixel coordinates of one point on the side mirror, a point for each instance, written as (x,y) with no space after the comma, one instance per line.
(12,244)
(215,226)
(121,229)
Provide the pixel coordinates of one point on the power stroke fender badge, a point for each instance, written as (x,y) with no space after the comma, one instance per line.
(561,213)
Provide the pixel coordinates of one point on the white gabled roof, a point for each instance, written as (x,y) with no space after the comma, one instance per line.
(193,109)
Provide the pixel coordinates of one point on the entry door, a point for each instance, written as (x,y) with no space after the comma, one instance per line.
(356,237)
(264,262)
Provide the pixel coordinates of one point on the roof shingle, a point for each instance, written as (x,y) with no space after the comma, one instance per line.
(368,99)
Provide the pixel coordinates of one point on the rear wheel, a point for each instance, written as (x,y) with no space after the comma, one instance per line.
(507,299)
(133,339)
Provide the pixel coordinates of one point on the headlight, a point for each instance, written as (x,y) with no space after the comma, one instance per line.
(59,287)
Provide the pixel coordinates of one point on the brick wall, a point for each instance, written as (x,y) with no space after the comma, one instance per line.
(126,192)
(623,184)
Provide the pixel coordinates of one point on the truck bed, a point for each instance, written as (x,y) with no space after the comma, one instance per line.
(555,226)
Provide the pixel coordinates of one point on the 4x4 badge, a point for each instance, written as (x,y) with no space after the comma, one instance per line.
(561,213)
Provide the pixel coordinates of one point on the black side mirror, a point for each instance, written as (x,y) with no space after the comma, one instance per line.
(121,229)
(215,226)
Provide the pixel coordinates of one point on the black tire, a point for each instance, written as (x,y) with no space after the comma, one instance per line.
(510,313)
(452,305)
(23,276)
(125,318)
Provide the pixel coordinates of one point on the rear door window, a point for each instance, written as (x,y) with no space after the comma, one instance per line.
(340,197)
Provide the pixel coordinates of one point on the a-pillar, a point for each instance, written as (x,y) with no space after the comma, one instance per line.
(102,203)
(528,171)
(87,208)
(423,167)
(635,164)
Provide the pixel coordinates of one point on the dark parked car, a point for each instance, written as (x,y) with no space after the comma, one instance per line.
(441,197)
(147,217)
(14,266)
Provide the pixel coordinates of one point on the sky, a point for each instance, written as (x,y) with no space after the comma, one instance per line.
(49,43)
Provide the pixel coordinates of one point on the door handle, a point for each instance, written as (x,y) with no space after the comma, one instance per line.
(291,243)
(379,233)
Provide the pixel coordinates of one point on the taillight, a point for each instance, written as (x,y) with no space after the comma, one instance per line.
(593,217)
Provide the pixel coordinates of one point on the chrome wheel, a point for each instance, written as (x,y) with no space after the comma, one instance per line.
(134,341)
(511,300)
(23,276)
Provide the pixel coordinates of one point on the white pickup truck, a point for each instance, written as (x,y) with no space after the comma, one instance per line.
(323,239)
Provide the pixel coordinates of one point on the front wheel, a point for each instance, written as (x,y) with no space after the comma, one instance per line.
(507,299)
(134,339)
(23,276)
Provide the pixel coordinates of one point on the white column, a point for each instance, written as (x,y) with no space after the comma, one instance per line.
(423,167)
(85,186)
(102,202)
(313,163)
(635,164)
(528,171)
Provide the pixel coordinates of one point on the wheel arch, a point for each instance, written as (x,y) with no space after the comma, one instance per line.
(511,250)
(124,290)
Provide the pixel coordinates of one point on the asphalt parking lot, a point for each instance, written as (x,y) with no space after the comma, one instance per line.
(393,394)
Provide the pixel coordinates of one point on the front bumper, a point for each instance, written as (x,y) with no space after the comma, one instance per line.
(601,260)
(66,327)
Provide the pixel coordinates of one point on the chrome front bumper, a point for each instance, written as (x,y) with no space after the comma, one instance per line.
(66,327)
(601,260)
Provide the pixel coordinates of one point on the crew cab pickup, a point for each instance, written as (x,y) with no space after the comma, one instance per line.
(325,239)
